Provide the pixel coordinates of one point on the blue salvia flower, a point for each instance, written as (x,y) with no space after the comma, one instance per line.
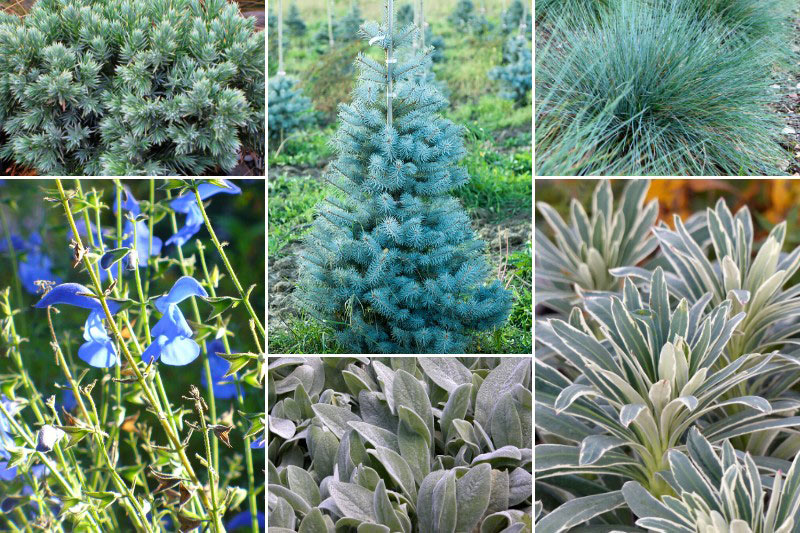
(68,401)
(142,231)
(187,204)
(98,350)
(242,520)
(173,342)
(34,265)
(224,388)
(259,442)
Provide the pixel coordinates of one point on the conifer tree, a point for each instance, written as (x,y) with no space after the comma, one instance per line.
(392,263)
(513,17)
(465,18)
(128,88)
(295,22)
(515,70)
(405,14)
(288,109)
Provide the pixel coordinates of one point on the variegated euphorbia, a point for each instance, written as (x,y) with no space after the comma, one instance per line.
(719,493)
(582,252)
(649,373)
(753,285)
(400,444)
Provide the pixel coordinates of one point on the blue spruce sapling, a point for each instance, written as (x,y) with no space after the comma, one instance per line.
(513,17)
(127,88)
(288,109)
(297,26)
(515,72)
(392,263)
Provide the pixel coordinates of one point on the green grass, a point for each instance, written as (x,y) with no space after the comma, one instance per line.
(291,206)
(308,148)
(501,183)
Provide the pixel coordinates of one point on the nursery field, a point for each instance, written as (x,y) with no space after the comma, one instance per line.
(130,328)
(497,156)
(684,88)
(667,374)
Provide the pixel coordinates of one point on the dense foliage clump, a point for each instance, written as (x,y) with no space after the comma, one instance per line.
(400,445)
(140,87)
(392,263)
(688,346)
(651,90)
(466,18)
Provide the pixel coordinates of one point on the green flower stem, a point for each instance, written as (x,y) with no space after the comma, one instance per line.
(11,525)
(248,452)
(228,266)
(139,517)
(212,472)
(151,398)
(150,239)
(210,398)
(23,518)
(33,393)
(45,460)
(14,269)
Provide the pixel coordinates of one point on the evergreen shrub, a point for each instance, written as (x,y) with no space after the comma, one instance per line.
(131,87)
(392,263)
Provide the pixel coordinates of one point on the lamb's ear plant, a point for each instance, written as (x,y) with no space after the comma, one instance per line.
(719,492)
(400,444)
(651,372)
(582,250)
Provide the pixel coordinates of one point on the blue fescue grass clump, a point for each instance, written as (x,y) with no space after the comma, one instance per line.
(654,90)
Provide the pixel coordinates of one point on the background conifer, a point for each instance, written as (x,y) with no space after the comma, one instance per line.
(392,262)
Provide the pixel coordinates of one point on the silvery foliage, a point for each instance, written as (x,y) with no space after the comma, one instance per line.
(752,285)
(719,493)
(641,380)
(400,444)
(582,251)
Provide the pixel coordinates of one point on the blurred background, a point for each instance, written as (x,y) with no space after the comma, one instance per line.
(771,201)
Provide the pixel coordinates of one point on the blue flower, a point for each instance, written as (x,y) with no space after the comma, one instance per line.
(68,401)
(33,265)
(98,350)
(47,438)
(187,204)
(242,520)
(173,342)
(142,231)
(224,388)
(259,442)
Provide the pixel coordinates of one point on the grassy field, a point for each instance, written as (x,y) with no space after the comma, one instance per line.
(497,138)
